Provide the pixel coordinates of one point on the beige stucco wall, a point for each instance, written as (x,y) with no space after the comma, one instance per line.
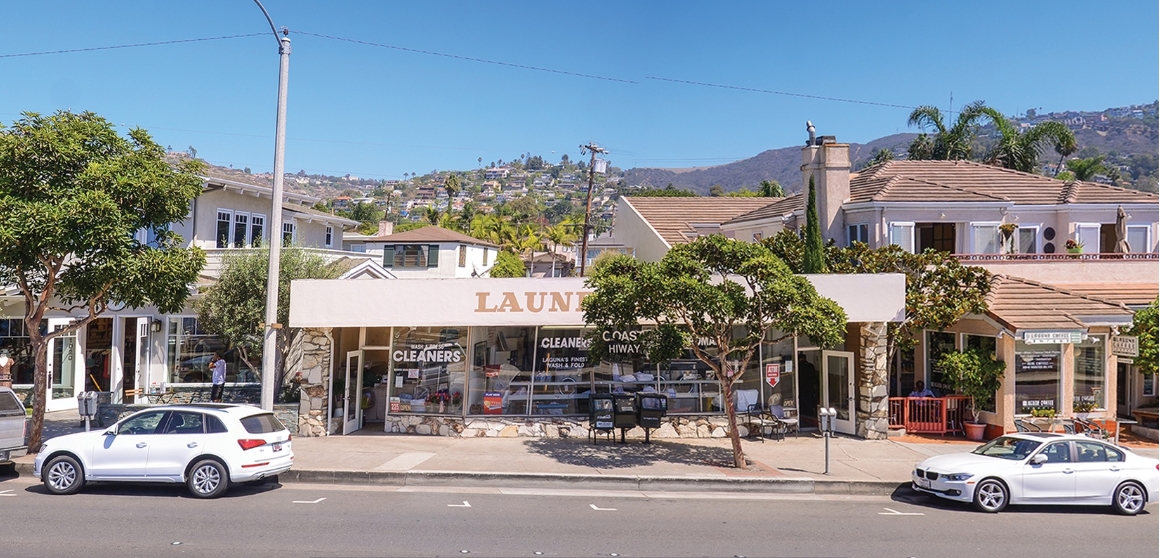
(630,225)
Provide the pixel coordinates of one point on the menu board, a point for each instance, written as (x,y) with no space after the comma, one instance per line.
(1034,362)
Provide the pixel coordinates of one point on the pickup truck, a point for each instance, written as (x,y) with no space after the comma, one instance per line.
(13,426)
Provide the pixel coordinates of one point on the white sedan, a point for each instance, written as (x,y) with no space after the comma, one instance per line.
(205,446)
(1042,468)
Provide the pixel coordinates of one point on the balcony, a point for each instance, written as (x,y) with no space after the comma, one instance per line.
(1054,257)
(215,256)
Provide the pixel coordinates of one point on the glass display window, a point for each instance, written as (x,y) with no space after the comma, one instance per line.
(428,369)
(777,375)
(1037,372)
(562,379)
(191,348)
(502,369)
(985,344)
(1090,373)
(938,343)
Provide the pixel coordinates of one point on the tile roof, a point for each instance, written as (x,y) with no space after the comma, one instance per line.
(673,217)
(1021,304)
(779,208)
(321,215)
(431,233)
(1131,294)
(954,181)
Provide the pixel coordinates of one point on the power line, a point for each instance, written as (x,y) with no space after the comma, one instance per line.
(468,58)
(771,92)
(157,43)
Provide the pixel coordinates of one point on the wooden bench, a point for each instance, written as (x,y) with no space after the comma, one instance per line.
(1146,416)
(131,394)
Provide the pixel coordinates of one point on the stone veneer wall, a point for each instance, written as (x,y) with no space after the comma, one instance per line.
(496,427)
(873,411)
(314,377)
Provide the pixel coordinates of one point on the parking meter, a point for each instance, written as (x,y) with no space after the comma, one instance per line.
(826,418)
(87,406)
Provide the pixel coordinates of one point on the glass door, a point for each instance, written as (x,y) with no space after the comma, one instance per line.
(62,367)
(838,387)
(352,393)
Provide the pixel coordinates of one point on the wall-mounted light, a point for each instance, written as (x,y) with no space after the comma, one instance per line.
(155,326)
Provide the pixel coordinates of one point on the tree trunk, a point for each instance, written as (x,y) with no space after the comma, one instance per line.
(39,387)
(731,413)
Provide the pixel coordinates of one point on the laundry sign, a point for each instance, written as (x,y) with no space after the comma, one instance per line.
(1126,346)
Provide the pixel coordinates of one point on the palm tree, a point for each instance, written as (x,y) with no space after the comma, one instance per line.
(561,234)
(1087,169)
(433,215)
(451,185)
(947,144)
(1020,151)
(1065,147)
(771,189)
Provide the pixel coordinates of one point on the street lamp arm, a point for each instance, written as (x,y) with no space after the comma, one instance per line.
(271,21)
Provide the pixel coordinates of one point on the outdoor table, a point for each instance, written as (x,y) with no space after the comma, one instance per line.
(1119,424)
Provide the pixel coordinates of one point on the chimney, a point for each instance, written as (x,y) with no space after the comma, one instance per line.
(386,228)
(829,163)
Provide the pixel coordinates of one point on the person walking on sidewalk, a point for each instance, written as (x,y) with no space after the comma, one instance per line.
(218,365)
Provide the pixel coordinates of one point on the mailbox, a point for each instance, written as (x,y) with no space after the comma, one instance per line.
(600,411)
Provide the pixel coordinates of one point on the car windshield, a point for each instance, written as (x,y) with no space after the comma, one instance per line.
(1007,448)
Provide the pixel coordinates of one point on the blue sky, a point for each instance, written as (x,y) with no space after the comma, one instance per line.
(378,112)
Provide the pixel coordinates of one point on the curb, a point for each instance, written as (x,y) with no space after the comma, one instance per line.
(637,483)
(595,482)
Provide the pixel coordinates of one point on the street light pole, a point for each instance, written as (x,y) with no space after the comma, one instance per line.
(270,334)
(594,149)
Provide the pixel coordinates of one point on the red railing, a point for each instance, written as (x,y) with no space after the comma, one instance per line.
(1058,257)
(929,415)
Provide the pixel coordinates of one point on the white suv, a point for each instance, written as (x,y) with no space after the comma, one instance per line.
(206,446)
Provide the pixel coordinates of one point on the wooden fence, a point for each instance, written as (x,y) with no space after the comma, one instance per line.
(929,415)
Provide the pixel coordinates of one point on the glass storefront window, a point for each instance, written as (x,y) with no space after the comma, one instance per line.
(938,343)
(63,360)
(986,345)
(777,374)
(1089,372)
(14,339)
(1037,370)
(562,379)
(191,348)
(428,369)
(500,382)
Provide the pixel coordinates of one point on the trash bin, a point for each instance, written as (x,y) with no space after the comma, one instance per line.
(600,414)
(651,409)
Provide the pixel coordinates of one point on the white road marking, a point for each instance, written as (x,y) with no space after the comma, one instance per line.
(894,512)
(463,505)
(601,509)
(406,461)
(309,501)
(6,493)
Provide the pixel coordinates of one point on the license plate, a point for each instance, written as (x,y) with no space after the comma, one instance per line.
(925,483)
(277,446)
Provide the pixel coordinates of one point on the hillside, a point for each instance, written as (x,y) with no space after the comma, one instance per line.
(782,165)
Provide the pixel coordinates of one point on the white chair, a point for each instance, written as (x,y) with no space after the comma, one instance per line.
(790,422)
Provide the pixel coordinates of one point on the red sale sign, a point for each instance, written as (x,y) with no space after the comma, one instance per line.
(772,374)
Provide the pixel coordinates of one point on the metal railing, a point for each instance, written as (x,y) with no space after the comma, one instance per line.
(1059,257)
(929,415)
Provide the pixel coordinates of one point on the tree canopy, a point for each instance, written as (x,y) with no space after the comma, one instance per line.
(1144,327)
(84,225)
(948,143)
(728,291)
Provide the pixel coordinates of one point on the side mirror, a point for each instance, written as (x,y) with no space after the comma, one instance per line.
(1039,459)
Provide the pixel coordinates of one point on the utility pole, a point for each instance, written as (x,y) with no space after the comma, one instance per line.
(270,340)
(588,204)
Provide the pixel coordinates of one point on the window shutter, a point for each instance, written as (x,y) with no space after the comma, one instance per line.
(389,256)
(433,255)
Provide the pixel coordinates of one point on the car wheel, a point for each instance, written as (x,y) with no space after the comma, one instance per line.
(208,479)
(1128,499)
(63,475)
(991,496)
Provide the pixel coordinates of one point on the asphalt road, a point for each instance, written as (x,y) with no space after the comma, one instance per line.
(333,521)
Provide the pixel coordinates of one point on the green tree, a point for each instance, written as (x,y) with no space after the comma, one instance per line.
(814,255)
(1144,327)
(235,306)
(669,192)
(432,215)
(939,289)
(716,190)
(1086,169)
(1020,150)
(974,374)
(947,144)
(771,189)
(563,233)
(452,185)
(1065,146)
(727,291)
(508,264)
(883,155)
(73,197)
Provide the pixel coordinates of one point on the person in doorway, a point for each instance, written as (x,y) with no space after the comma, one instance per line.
(217,366)
(920,390)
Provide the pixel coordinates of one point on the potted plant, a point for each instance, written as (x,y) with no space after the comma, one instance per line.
(1073,247)
(976,375)
(1008,232)
(1084,409)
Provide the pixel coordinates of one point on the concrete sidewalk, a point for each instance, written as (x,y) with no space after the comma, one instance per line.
(793,465)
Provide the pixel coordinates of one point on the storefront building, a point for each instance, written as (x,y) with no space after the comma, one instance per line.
(509,357)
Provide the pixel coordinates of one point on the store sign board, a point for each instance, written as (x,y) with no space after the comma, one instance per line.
(1052,337)
(1126,346)
(772,374)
